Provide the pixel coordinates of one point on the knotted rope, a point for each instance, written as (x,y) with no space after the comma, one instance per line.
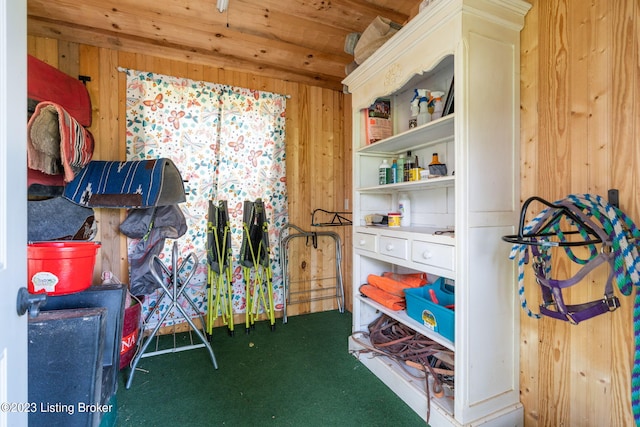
(623,237)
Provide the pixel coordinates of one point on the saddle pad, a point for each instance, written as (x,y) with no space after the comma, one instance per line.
(46,83)
(58,219)
(132,184)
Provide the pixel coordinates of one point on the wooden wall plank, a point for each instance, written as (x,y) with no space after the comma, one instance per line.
(113,145)
(578,24)
(125,60)
(622,170)
(593,372)
(89,62)
(68,58)
(44,49)
(554,349)
(529,136)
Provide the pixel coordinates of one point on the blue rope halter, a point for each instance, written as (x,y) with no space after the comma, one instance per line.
(620,239)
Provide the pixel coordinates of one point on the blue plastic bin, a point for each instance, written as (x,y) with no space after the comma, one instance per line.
(422,308)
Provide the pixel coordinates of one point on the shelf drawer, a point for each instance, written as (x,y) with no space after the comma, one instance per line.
(433,254)
(393,247)
(365,241)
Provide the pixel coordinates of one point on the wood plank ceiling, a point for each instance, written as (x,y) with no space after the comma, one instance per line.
(294,40)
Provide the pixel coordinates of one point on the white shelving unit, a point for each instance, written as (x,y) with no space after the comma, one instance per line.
(478,41)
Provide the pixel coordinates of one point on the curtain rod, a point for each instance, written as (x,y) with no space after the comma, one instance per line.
(126,70)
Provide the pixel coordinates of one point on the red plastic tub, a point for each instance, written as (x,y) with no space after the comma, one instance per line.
(61,267)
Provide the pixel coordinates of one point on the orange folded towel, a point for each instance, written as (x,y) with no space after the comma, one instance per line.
(413,280)
(395,284)
(388,300)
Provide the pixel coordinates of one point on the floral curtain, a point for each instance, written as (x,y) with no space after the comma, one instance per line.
(228,144)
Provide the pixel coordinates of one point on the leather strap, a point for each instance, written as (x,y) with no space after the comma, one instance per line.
(389,337)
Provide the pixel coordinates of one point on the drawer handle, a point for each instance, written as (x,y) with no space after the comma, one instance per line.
(389,247)
(427,255)
(363,242)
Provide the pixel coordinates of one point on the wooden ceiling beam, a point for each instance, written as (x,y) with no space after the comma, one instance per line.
(228,43)
(350,15)
(245,17)
(289,38)
(49,29)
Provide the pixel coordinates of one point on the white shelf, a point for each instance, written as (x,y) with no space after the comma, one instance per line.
(419,137)
(413,392)
(403,317)
(411,383)
(424,184)
(478,42)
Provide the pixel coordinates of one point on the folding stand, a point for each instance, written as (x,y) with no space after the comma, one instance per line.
(254,253)
(219,275)
(297,296)
(173,291)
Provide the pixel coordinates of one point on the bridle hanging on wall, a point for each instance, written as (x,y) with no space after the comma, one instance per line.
(578,221)
(599,224)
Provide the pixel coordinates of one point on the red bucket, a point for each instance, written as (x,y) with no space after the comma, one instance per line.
(62,267)
(130,331)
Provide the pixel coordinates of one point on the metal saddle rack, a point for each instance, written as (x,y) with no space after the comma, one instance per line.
(546,226)
(336,218)
(173,289)
(310,293)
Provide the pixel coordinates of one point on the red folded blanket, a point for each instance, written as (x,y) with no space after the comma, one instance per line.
(56,142)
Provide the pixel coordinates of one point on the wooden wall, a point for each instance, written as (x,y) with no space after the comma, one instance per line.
(579,134)
(318,155)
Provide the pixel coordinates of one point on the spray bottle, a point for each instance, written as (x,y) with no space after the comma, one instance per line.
(383,172)
(404,206)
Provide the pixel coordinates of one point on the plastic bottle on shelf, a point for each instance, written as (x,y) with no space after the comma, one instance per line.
(436,100)
(389,175)
(424,116)
(408,165)
(383,172)
(400,170)
(414,173)
(404,206)
(394,172)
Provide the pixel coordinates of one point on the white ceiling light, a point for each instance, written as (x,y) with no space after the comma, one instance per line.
(222,5)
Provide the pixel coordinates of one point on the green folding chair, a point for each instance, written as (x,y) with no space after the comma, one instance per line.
(219,263)
(256,266)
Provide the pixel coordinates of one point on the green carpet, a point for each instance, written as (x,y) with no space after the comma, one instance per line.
(300,374)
